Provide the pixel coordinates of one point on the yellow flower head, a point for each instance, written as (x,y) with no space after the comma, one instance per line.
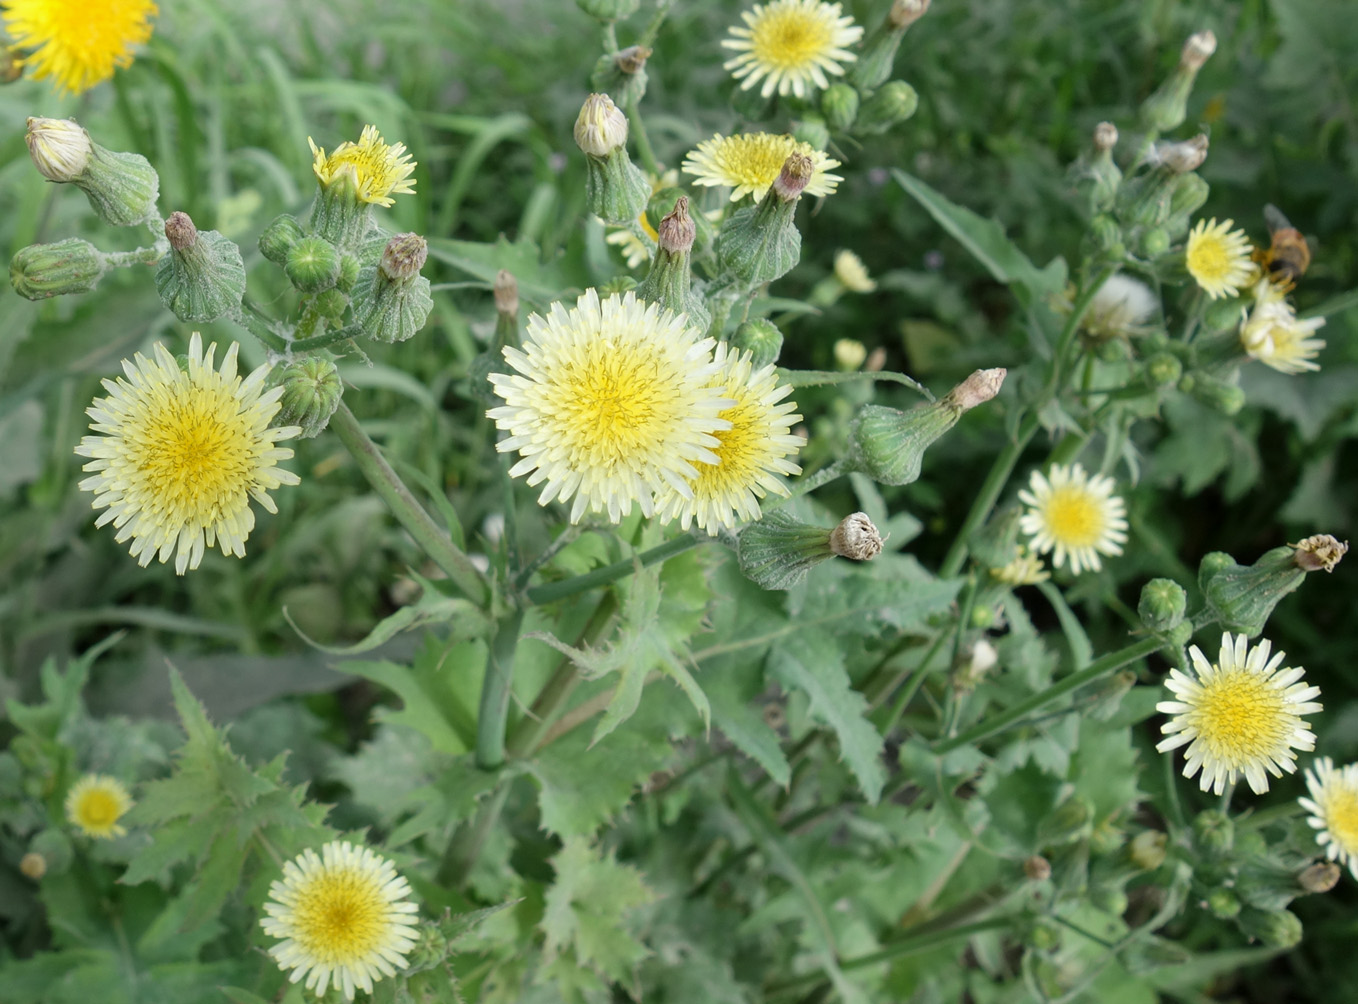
(1025,569)
(377,170)
(1218,258)
(182,453)
(748,164)
(852,273)
(791,45)
(1272,333)
(78,43)
(344,917)
(1073,516)
(94,805)
(1334,810)
(750,454)
(612,403)
(1241,714)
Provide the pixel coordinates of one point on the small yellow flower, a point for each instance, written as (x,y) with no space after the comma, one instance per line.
(750,454)
(94,805)
(78,43)
(1073,516)
(791,45)
(1024,570)
(1242,715)
(182,453)
(1272,333)
(1218,258)
(1334,810)
(611,403)
(749,163)
(852,274)
(344,917)
(376,169)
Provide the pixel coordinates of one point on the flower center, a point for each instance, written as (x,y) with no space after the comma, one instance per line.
(1074,517)
(1341,818)
(340,916)
(790,39)
(613,403)
(1208,259)
(98,808)
(1240,717)
(738,452)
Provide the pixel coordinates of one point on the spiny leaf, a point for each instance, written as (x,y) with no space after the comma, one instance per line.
(585,911)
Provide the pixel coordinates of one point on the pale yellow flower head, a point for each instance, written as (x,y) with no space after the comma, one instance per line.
(1240,715)
(60,148)
(1074,516)
(1218,258)
(77,43)
(94,805)
(1272,333)
(852,273)
(601,126)
(1024,569)
(181,453)
(1333,806)
(376,169)
(344,916)
(749,163)
(791,45)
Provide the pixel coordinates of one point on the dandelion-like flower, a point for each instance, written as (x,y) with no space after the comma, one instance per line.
(1218,258)
(376,169)
(750,454)
(612,403)
(75,42)
(1241,715)
(791,45)
(344,917)
(1334,810)
(182,452)
(1024,569)
(1272,333)
(94,805)
(749,163)
(1073,516)
(852,273)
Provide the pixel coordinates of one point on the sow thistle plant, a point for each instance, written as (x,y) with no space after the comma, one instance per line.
(698,511)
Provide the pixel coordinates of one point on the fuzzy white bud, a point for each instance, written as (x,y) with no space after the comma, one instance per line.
(60,148)
(601,127)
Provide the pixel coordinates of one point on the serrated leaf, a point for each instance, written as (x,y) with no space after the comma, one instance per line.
(741,723)
(459,925)
(538,281)
(429,705)
(815,666)
(585,911)
(448,800)
(433,607)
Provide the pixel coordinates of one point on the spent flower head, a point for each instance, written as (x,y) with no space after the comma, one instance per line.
(1218,258)
(1239,715)
(376,169)
(1333,805)
(1074,516)
(344,917)
(1271,332)
(1024,569)
(749,163)
(1120,308)
(78,43)
(182,451)
(791,45)
(94,805)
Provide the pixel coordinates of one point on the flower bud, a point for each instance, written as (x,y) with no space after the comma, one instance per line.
(760,243)
(313,264)
(601,126)
(893,104)
(762,339)
(203,276)
(1319,877)
(622,73)
(849,354)
(1067,822)
(608,10)
(1185,199)
(278,238)
(1147,849)
(33,866)
(1219,395)
(874,63)
(615,189)
(668,282)
(506,292)
(1154,242)
(1223,904)
(1273,928)
(856,537)
(1163,369)
(1168,107)
(839,104)
(1106,235)
(54,847)
(61,149)
(70,266)
(1197,50)
(1183,157)
(1037,868)
(851,272)
(777,551)
(812,131)
(1213,834)
(1162,606)
(311,394)
(391,300)
(1041,934)
(1318,552)
(1243,597)
(888,445)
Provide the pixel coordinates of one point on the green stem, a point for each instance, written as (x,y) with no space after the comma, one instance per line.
(820,378)
(496,689)
(912,688)
(324,340)
(253,320)
(662,8)
(643,141)
(1097,668)
(554,591)
(435,541)
(465,847)
(988,495)
(141,256)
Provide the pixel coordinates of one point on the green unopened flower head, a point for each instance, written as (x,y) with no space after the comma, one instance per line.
(1223,904)
(1224,396)
(1273,928)
(622,73)
(1102,176)
(1147,849)
(874,63)
(1243,597)
(760,243)
(839,105)
(203,276)
(311,394)
(391,300)
(1168,107)
(1213,834)
(278,238)
(55,848)
(888,445)
(895,102)
(669,281)
(121,187)
(313,264)
(761,339)
(608,10)
(615,189)
(1162,606)
(777,551)
(70,266)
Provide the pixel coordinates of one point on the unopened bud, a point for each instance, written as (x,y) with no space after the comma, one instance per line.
(1223,904)
(1213,834)
(601,126)
(1319,552)
(390,301)
(677,230)
(893,104)
(904,13)
(1273,928)
(180,231)
(33,866)
(1242,597)
(761,339)
(70,266)
(1105,136)
(1183,157)
(279,237)
(839,104)
(794,176)
(874,62)
(404,257)
(856,537)
(1147,849)
(1197,50)
(1037,868)
(60,148)
(313,264)
(506,292)
(777,551)
(55,850)
(1163,369)
(608,10)
(849,354)
(1162,606)
(1168,106)
(1067,822)
(669,281)
(811,130)
(203,276)
(978,388)
(1319,877)
(311,394)
(852,273)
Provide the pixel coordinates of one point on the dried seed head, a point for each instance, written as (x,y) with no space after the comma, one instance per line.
(976,389)
(856,537)
(1318,552)
(1197,50)
(180,231)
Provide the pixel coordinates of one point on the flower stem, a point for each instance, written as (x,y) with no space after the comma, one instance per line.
(496,689)
(253,320)
(644,150)
(323,340)
(1005,719)
(418,523)
(988,495)
(553,591)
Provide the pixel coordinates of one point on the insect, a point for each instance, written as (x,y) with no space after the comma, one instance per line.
(1287,257)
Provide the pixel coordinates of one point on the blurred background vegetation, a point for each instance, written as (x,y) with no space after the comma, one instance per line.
(484,93)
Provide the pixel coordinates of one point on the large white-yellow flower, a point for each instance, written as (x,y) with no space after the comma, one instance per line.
(612,404)
(344,918)
(1272,333)
(1240,715)
(182,453)
(749,163)
(750,454)
(1334,810)
(94,805)
(1218,258)
(791,45)
(1073,515)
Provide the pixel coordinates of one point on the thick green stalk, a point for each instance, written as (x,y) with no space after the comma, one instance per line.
(643,142)
(496,689)
(1097,668)
(553,591)
(418,523)
(465,847)
(324,340)
(988,495)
